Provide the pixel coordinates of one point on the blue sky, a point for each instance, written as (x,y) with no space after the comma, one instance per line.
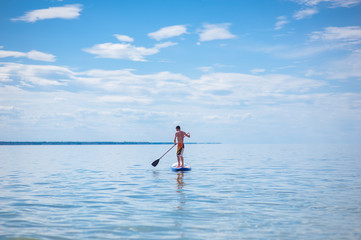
(253,71)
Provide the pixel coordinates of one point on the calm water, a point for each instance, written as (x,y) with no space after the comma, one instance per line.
(232,192)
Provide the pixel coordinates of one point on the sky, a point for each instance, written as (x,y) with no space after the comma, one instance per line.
(230,71)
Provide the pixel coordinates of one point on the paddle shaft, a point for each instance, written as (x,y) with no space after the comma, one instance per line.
(167,152)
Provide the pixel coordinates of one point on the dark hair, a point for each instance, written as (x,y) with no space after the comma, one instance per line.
(177,127)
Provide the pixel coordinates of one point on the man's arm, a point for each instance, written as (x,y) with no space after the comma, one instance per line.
(188,135)
(175,138)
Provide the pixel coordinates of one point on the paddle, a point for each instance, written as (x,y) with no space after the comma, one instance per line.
(155,163)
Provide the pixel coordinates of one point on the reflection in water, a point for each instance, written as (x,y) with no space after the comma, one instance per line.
(180,186)
(155,174)
(180,181)
(181,203)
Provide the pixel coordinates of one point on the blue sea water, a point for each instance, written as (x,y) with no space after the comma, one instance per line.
(233,192)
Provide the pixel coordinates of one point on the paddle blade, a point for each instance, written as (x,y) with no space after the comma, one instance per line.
(155,163)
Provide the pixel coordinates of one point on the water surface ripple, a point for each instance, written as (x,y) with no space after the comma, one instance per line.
(232,192)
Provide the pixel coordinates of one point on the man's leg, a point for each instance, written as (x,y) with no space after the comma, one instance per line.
(179,163)
(182,161)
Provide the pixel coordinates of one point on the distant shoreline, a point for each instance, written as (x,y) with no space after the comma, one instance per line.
(87,143)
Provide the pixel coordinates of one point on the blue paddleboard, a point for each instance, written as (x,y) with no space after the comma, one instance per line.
(185,168)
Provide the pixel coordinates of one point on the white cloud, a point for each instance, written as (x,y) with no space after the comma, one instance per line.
(124,99)
(211,32)
(344,3)
(311,49)
(351,34)
(305,13)
(66,12)
(332,3)
(281,21)
(126,86)
(329,39)
(349,67)
(6,109)
(302,52)
(5,54)
(168,32)
(123,38)
(105,104)
(125,50)
(35,75)
(233,88)
(126,82)
(205,69)
(310,6)
(165,45)
(257,70)
(254,85)
(34,55)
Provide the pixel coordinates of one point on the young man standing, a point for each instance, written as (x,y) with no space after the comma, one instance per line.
(179,138)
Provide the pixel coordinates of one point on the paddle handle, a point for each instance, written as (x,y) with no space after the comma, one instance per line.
(167,151)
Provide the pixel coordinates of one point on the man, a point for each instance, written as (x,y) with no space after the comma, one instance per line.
(179,138)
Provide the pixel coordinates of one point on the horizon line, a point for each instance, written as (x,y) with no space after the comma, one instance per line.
(92,143)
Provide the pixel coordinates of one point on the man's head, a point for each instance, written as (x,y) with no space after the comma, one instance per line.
(177,128)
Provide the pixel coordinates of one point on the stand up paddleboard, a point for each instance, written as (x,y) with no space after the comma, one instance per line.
(185,168)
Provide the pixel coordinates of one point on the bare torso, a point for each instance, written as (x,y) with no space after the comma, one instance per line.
(179,136)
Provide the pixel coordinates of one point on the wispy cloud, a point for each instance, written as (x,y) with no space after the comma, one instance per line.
(305,13)
(350,34)
(305,51)
(124,98)
(125,50)
(331,3)
(281,21)
(311,7)
(125,85)
(205,69)
(232,88)
(168,32)
(123,38)
(34,55)
(128,83)
(66,12)
(257,70)
(329,39)
(35,75)
(10,111)
(211,32)
(349,67)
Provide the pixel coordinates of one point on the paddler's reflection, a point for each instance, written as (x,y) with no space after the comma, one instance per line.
(180,181)
(178,221)
(180,185)
(155,174)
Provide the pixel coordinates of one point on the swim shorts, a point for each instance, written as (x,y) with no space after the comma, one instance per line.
(180,149)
